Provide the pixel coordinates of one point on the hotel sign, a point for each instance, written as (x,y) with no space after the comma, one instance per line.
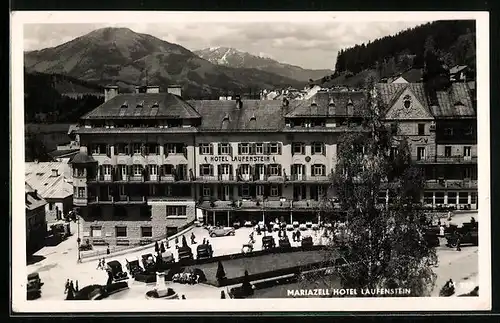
(240,159)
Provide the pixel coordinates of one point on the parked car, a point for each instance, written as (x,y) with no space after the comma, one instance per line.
(221,232)
(268,242)
(203,251)
(148,261)
(315,226)
(185,253)
(307,241)
(303,227)
(468,234)
(309,224)
(167,257)
(289,227)
(116,270)
(34,286)
(261,225)
(236,225)
(248,224)
(133,267)
(295,224)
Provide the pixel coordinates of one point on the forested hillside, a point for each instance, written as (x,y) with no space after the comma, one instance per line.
(453,42)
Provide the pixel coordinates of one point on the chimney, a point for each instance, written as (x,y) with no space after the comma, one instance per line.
(239,104)
(153,89)
(175,89)
(54,173)
(110,91)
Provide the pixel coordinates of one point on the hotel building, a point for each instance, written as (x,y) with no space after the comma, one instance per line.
(149,160)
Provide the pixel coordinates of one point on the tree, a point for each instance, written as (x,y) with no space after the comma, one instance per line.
(382,245)
(35,149)
(157,247)
(221,274)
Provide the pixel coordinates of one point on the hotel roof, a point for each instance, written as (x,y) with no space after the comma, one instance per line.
(455,102)
(324,104)
(33,201)
(39,176)
(143,106)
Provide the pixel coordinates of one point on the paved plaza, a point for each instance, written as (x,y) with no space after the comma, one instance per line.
(60,263)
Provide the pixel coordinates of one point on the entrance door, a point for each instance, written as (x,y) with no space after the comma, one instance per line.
(226,190)
(260,172)
(298,171)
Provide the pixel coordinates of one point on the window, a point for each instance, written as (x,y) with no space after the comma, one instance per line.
(259,190)
(121,232)
(176,210)
(152,149)
(382,197)
(206,190)
(298,148)
(79,172)
(122,149)
(245,169)
(439,197)
(95,150)
(274,148)
(245,191)
(137,169)
(121,190)
(153,169)
(80,192)
(469,131)
(421,129)
(136,148)
(259,149)
(428,197)
(224,149)
(274,191)
(275,170)
(473,198)
(463,198)
(318,170)
(447,151)
(51,206)
(467,173)
(206,170)
(225,169)
(318,148)
(168,190)
(452,197)
(107,169)
(96,231)
(320,191)
(448,132)
(206,149)
(243,149)
(146,232)
(171,149)
(467,151)
(420,153)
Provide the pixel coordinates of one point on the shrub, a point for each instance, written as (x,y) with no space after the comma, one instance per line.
(221,274)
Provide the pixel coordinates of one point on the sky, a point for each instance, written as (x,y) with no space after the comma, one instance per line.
(308,45)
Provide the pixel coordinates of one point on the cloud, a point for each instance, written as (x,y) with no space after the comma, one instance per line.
(310,45)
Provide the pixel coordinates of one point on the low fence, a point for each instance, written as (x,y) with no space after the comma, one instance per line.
(87,256)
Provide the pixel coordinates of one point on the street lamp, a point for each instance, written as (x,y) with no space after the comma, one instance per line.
(78,240)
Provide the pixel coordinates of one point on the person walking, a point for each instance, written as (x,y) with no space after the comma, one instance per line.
(193,237)
(72,287)
(177,242)
(99,264)
(66,286)
(103,263)
(76,286)
(183,297)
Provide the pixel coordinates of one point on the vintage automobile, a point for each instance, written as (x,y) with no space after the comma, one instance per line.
(315,226)
(289,227)
(284,242)
(236,225)
(247,248)
(295,224)
(60,231)
(185,253)
(133,267)
(268,242)
(309,224)
(303,227)
(204,251)
(307,241)
(34,286)
(261,225)
(221,232)
(431,236)
(116,270)
(148,262)
(85,246)
(248,224)
(276,227)
(167,257)
(467,233)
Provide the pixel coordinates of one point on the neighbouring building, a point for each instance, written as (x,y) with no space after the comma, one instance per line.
(148,161)
(36,225)
(53,182)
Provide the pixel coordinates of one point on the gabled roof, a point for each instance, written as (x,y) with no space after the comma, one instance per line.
(254,115)
(39,176)
(413,75)
(447,99)
(322,107)
(33,201)
(457,68)
(143,106)
(81,158)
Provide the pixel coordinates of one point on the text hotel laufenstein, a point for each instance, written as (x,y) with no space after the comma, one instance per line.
(348,292)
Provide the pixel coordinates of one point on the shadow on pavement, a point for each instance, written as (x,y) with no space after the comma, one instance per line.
(34,259)
(52,241)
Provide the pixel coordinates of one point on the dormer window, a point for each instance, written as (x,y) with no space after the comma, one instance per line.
(124,105)
(332,104)
(140,104)
(226,117)
(155,105)
(253,117)
(313,103)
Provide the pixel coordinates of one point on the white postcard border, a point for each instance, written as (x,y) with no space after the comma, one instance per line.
(19,271)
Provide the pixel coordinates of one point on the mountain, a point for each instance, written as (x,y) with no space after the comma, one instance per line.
(231,57)
(452,41)
(126,58)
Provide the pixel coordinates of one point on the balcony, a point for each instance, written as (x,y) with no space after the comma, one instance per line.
(122,178)
(136,178)
(120,199)
(225,177)
(206,178)
(101,179)
(306,178)
(247,205)
(100,200)
(451,184)
(306,204)
(440,159)
(79,201)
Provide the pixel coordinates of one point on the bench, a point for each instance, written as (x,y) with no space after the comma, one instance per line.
(99,242)
(145,241)
(122,242)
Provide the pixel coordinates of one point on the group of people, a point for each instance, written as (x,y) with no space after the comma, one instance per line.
(101,264)
(70,288)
